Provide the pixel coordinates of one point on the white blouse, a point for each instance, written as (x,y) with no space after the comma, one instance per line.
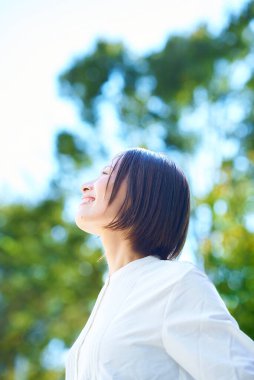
(160,320)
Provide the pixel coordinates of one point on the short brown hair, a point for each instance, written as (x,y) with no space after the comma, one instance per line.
(156,209)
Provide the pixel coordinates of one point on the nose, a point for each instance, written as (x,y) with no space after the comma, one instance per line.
(86,186)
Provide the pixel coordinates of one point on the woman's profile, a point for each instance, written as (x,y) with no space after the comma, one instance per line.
(155,318)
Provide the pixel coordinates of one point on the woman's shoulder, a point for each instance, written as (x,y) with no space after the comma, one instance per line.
(183,281)
(170,272)
(175,267)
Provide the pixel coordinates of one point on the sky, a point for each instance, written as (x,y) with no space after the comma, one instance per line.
(39,39)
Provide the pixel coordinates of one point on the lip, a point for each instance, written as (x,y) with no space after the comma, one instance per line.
(85,198)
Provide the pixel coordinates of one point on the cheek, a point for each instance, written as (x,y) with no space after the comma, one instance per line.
(119,199)
(101,196)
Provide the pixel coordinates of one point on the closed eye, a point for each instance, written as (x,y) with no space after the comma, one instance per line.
(104,171)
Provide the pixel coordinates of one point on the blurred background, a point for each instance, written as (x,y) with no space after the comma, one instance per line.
(81,81)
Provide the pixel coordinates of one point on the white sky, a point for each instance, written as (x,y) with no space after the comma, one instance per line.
(41,37)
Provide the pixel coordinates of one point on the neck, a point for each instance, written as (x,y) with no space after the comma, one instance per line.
(117,251)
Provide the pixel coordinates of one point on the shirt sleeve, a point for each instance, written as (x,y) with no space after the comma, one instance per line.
(199,333)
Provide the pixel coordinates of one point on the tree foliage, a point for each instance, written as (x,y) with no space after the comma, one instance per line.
(49,280)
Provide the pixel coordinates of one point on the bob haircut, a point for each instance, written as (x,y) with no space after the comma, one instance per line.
(156,210)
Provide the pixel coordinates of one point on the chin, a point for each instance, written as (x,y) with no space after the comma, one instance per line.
(85,226)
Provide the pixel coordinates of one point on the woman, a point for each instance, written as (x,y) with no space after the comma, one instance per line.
(155,318)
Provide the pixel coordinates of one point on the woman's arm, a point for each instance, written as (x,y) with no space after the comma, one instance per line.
(201,336)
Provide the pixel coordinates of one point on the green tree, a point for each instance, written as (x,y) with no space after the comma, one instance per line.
(49,281)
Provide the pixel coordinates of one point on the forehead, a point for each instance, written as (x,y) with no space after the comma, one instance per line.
(114,164)
(114,171)
(116,161)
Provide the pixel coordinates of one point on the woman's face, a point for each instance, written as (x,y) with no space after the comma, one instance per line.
(93,212)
